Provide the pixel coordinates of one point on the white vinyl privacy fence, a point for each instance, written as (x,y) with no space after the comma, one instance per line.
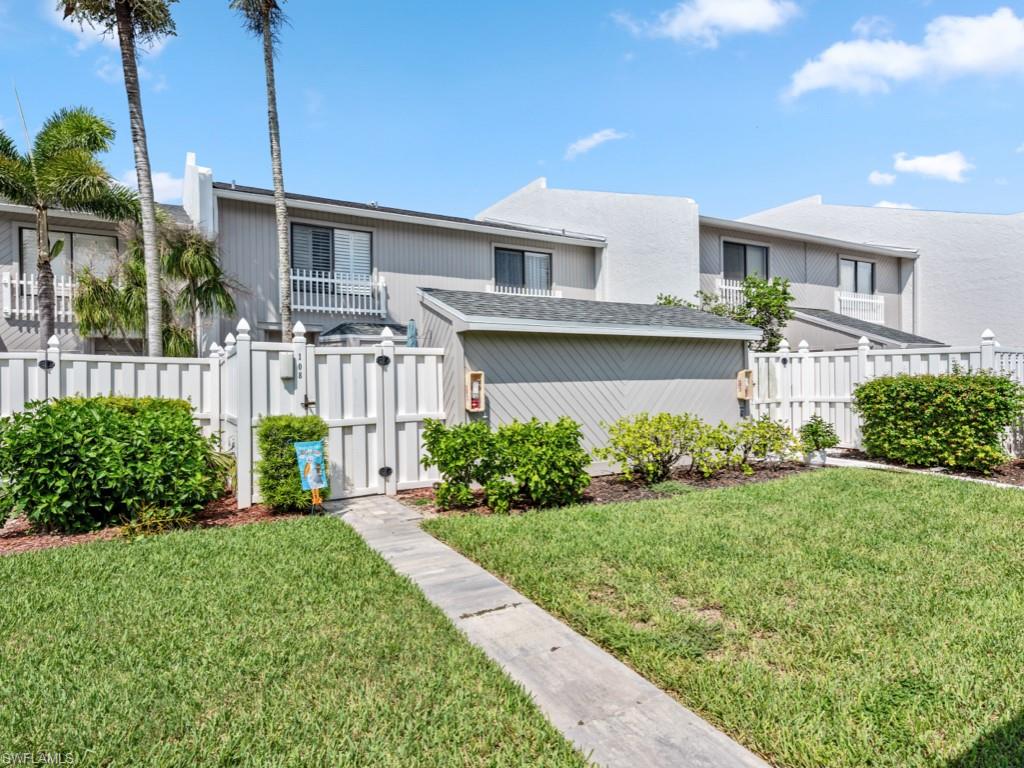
(792,387)
(373,398)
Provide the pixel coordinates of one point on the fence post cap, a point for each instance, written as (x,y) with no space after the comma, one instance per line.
(804,346)
(229,339)
(784,345)
(243,329)
(987,335)
(53,342)
(387,333)
(215,349)
(863,342)
(298,331)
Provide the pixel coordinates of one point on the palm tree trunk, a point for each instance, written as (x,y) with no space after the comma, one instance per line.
(126,38)
(44,279)
(284,276)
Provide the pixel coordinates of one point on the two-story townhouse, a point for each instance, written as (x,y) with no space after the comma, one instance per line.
(843,289)
(970,273)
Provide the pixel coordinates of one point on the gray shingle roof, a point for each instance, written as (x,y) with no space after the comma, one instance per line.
(405,212)
(862,327)
(356,328)
(581,311)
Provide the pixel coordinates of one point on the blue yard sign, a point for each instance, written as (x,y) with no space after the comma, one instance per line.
(312,471)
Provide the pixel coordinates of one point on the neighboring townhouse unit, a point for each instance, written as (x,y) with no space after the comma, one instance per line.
(969,273)
(844,289)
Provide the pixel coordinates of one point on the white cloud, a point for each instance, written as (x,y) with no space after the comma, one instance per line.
(705,21)
(587,143)
(880,179)
(950,166)
(108,71)
(953,46)
(87,35)
(901,206)
(872,26)
(1020,149)
(166,188)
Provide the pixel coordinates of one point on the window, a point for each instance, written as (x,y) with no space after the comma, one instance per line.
(856,276)
(325,249)
(97,252)
(741,260)
(522,269)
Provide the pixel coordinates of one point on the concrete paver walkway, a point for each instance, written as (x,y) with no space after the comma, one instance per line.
(607,710)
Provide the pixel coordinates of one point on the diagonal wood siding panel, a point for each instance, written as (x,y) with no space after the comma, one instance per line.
(595,379)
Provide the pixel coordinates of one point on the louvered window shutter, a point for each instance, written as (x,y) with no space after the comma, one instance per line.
(352,253)
(311,248)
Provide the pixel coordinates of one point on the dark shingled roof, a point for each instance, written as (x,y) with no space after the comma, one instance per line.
(864,328)
(356,328)
(405,212)
(555,310)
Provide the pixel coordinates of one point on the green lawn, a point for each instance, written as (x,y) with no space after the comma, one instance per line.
(838,618)
(279,644)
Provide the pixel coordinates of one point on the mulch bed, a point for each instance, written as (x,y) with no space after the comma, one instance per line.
(609,489)
(16,536)
(1011,473)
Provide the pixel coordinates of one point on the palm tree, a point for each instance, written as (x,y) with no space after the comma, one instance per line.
(264,18)
(193,284)
(61,170)
(135,21)
(191,259)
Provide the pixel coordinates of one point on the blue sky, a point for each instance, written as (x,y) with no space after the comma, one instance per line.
(446,107)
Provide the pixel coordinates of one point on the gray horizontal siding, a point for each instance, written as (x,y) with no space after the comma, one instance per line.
(408,256)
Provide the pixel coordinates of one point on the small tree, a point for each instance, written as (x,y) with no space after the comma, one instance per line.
(60,170)
(766,305)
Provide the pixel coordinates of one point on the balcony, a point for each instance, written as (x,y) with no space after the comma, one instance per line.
(863,306)
(338,293)
(519,290)
(731,292)
(21,296)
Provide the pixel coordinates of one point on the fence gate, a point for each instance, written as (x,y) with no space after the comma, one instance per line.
(374,400)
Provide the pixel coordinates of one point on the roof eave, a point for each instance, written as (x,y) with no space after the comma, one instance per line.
(843,245)
(871,336)
(370,213)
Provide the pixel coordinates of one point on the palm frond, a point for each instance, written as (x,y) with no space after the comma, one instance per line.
(256,14)
(8,149)
(72,128)
(151,19)
(17,184)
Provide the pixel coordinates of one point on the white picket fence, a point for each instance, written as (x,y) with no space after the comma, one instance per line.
(374,399)
(792,387)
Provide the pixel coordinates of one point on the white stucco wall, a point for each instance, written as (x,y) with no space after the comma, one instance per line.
(970,272)
(653,241)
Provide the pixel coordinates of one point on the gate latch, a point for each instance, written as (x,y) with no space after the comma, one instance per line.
(307,403)
(383,360)
(385,471)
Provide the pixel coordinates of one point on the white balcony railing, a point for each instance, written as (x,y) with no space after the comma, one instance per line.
(731,292)
(339,293)
(863,306)
(519,290)
(21,296)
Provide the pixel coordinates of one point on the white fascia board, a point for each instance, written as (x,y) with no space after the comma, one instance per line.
(370,213)
(464,322)
(829,242)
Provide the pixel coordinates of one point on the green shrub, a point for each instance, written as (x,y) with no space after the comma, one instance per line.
(764,440)
(80,463)
(955,420)
(646,447)
(544,460)
(818,434)
(715,449)
(277,473)
(463,454)
(540,464)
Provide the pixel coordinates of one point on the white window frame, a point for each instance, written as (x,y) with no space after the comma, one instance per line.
(525,249)
(874,272)
(330,224)
(19,226)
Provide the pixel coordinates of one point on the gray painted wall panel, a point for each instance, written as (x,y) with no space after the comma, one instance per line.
(408,256)
(600,378)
